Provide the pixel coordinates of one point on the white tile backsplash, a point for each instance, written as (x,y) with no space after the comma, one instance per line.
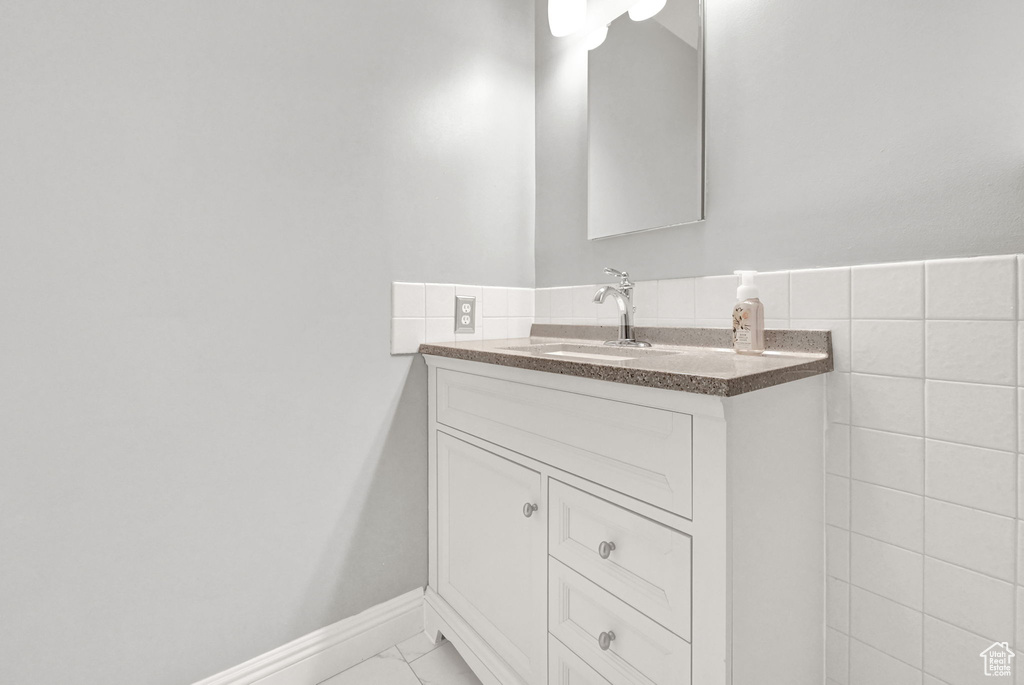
(494,301)
(408,300)
(953,653)
(838,397)
(837,604)
(521,302)
(964,598)
(406,335)
(773,291)
(977,288)
(645,299)
(840,337)
(888,459)
(440,300)
(1020,353)
(981,415)
(970,538)
(584,310)
(869,666)
(819,294)
(885,625)
(440,329)
(561,303)
(837,501)
(500,313)
(888,515)
(837,552)
(972,351)
(892,572)
(837,449)
(837,650)
(893,348)
(972,476)
(887,403)
(888,291)
(677,298)
(494,328)
(542,303)
(934,520)
(716,296)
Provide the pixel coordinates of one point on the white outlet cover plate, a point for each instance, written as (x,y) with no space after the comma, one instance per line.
(465,314)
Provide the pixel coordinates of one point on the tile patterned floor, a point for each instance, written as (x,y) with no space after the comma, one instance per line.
(413,662)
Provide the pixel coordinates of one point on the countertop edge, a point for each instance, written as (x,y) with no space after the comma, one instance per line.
(665,380)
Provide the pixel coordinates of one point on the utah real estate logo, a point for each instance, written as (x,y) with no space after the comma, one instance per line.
(997,659)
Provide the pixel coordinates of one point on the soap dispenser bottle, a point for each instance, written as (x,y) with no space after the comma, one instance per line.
(747,317)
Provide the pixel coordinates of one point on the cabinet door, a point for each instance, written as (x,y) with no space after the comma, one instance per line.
(491,555)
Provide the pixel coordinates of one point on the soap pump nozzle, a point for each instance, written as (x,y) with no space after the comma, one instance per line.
(747,289)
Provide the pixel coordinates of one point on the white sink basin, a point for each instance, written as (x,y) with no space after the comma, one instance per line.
(592,352)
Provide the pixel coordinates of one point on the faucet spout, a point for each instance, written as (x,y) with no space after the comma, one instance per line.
(623,297)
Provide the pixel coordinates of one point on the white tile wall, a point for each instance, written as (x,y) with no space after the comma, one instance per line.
(425,312)
(887,459)
(868,666)
(924,449)
(885,625)
(934,502)
(888,291)
(820,294)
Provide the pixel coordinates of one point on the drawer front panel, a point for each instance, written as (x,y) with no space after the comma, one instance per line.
(567,668)
(649,567)
(641,652)
(640,451)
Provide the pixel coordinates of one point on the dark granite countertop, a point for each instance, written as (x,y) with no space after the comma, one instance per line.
(698,360)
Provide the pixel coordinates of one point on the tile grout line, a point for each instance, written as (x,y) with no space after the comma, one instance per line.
(849,483)
(926,496)
(924,465)
(1016,465)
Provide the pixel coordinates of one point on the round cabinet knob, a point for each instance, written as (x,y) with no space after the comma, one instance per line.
(604,640)
(605,549)
(528,509)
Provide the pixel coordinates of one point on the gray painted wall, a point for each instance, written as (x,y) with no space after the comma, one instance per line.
(837,134)
(205,448)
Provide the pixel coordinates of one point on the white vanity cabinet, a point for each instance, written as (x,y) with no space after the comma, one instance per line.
(584,532)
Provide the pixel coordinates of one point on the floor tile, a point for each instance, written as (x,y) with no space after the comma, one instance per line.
(387,668)
(443,666)
(418,645)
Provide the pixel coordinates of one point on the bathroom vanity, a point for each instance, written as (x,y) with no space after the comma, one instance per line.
(610,516)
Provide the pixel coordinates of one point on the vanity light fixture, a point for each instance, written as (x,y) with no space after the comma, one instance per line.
(645,9)
(596,37)
(566,17)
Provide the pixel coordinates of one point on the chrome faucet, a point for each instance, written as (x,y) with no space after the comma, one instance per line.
(624,298)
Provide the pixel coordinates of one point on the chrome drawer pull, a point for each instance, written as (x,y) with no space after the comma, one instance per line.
(528,509)
(604,640)
(605,549)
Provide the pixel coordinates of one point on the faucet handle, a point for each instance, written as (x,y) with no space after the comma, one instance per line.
(621,275)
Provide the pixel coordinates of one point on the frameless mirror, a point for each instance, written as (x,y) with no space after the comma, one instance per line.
(646,122)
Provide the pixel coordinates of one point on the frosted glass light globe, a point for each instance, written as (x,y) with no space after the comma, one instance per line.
(596,37)
(645,9)
(566,17)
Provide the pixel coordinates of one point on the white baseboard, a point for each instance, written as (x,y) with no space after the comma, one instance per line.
(315,657)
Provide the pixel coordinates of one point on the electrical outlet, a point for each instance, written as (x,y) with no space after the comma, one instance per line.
(465,314)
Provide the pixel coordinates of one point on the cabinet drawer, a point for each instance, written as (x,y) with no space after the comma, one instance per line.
(641,652)
(568,669)
(649,567)
(640,451)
